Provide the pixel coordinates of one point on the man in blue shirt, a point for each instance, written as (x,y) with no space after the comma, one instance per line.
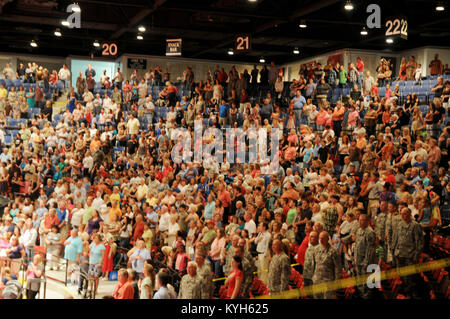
(298,101)
(223,113)
(163,292)
(139,256)
(73,247)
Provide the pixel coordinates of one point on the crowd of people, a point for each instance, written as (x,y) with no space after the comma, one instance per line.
(359,182)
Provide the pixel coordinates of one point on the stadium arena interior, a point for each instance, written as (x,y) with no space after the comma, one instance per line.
(224,149)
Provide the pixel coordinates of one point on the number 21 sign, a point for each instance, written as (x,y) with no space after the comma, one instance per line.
(242,43)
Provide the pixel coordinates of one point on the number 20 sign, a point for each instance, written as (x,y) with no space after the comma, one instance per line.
(243,43)
(109,49)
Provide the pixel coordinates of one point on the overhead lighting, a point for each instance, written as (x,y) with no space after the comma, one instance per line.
(96,44)
(141,28)
(230,52)
(302,24)
(296,50)
(389,40)
(58,32)
(140,37)
(262,60)
(76,7)
(65,23)
(33,44)
(364,31)
(252,0)
(348,5)
(440,7)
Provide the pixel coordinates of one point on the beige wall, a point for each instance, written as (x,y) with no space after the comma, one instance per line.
(176,66)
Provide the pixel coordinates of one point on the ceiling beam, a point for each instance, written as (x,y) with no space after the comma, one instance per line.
(315,6)
(137,18)
(55,22)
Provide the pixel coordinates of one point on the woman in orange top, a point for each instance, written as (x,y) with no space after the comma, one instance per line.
(388,148)
(338,117)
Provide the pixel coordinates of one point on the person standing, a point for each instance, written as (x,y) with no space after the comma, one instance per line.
(163,292)
(118,79)
(298,102)
(64,76)
(206,275)
(436,66)
(73,247)
(191,283)
(96,257)
(308,266)
(34,273)
(89,72)
(279,269)
(360,69)
(139,256)
(123,289)
(327,265)
(408,244)
(81,84)
(365,246)
(262,246)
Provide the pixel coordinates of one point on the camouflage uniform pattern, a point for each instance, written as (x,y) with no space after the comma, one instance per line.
(190,287)
(308,266)
(365,254)
(207,286)
(327,267)
(248,267)
(279,273)
(228,259)
(330,217)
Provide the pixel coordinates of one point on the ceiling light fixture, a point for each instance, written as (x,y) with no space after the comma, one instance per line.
(65,23)
(348,5)
(140,37)
(389,40)
(76,7)
(252,0)
(96,44)
(141,28)
(58,32)
(364,31)
(302,24)
(230,52)
(296,50)
(33,44)
(262,60)
(440,7)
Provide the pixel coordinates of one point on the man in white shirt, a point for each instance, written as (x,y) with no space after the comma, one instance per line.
(118,79)
(5,156)
(250,225)
(368,81)
(29,238)
(133,125)
(164,218)
(262,245)
(64,76)
(107,102)
(88,96)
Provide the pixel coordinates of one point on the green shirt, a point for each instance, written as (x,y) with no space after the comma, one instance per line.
(87,214)
(343,77)
(292,213)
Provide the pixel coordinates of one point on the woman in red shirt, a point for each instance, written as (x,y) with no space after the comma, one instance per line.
(235,279)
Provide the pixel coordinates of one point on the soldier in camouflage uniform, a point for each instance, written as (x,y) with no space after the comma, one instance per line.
(380,227)
(407,246)
(393,219)
(308,266)
(191,283)
(365,246)
(248,269)
(229,254)
(205,273)
(330,218)
(279,269)
(327,265)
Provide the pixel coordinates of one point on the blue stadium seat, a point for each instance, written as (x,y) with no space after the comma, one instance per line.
(2,81)
(14,133)
(8,139)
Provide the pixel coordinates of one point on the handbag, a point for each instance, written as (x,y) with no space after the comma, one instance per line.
(112,275)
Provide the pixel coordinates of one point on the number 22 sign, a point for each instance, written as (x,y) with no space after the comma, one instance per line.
(397,27)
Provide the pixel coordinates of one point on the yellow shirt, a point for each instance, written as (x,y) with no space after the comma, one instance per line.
(148,236)
(115,197)
(3,93)
(115,211)
(151,201)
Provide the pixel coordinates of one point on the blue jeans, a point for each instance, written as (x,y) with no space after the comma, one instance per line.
(298,118)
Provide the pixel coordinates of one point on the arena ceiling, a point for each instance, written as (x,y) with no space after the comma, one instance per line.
(209,27)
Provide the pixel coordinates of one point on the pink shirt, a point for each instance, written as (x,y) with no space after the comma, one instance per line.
(352,117)
(216,247)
